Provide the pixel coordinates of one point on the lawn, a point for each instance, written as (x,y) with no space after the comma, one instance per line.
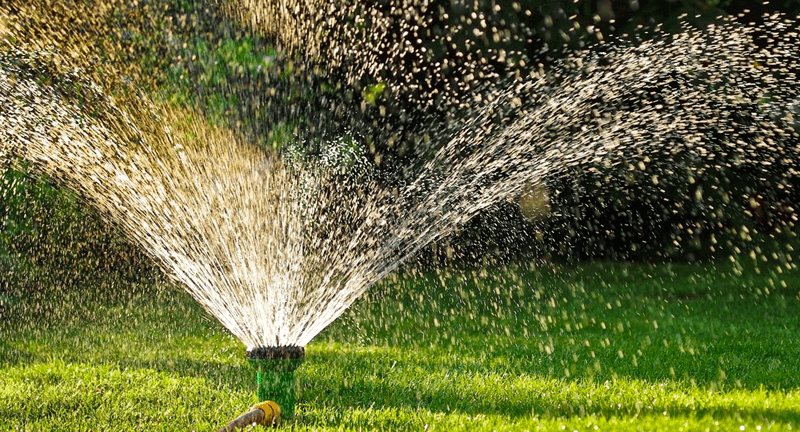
(603,346)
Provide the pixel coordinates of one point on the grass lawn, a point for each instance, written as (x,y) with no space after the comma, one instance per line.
(596,347)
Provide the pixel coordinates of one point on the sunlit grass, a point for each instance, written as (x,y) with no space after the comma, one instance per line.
(607,346)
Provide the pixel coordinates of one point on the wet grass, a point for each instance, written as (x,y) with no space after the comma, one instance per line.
(600,346)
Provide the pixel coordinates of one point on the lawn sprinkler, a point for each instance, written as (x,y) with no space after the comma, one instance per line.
(275,368)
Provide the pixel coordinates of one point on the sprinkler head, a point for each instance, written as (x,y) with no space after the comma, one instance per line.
(275,368)
(276,353)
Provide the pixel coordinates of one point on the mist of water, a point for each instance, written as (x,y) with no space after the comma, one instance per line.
(277,248)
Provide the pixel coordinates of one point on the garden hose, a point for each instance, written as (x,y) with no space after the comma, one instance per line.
(264,413)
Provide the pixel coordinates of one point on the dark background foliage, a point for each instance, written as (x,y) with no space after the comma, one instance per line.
(190,53)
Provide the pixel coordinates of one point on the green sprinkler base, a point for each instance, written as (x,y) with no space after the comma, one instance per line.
(275,368)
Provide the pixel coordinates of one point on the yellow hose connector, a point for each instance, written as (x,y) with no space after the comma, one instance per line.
(272,412)
(265,413)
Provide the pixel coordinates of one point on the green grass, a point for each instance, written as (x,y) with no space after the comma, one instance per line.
(601,346)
